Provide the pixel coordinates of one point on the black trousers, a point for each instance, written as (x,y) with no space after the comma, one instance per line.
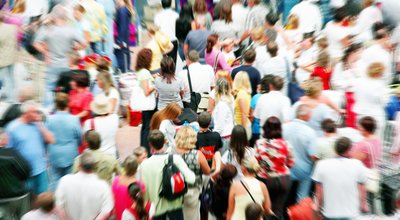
(174,52)
(144,132)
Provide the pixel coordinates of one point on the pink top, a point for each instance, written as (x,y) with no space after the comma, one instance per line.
(366,146)
(122,199)
(210,59)
(79,102)
(15,19)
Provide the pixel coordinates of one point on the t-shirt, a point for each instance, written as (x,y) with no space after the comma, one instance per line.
(113,94)
(79,102)
(208,143)
(366,147)
(255,127)
(340,178)
(254,76)
(241,95)
(197,40)
(326,147)
(39,214)
(169,92)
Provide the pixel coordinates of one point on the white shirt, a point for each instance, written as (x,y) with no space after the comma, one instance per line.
(36,7)
(239,15)
(278,66)
(340,178)
(262,56)
(270,104)
(370,97)
(223,118)
(366,19)
(335,33)
(310,19)
(344,80)
(225,30)
(326,147)
(39,214)
(167,127)
(165,20)
(84,196)
(113,94)
(376,53)
(306,57)
(107,128)
(201,77)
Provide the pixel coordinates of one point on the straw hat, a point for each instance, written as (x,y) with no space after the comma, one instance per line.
(100,105)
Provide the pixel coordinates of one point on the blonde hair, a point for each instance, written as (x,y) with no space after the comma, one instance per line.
(312,87)
(257,33)
(20,7)
(223,91)
(293,22)
(130,165)
(323,59)
(106,78)
(375,70)
(323,43)
(240,82)
(186,138)
(251,164)
(139,151)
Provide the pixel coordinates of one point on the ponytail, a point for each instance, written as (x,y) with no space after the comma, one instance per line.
(137,196)
(211,41)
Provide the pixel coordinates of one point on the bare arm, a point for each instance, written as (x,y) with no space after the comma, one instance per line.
(42,48)
(320,196)
(146,87)
(231,202)
(203,163)
(211,105)
(83,114)
(267,200)
(186,49)
(363,197)
(47,135)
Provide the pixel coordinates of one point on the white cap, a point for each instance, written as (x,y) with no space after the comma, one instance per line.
(337,3)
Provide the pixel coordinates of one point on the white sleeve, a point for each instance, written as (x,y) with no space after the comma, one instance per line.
(126,215)
(190,177)
(286,110)
(257,111)
(316,176)
(59,194)
(107,200)
(218,118)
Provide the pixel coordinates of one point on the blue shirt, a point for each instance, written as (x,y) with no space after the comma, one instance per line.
(29,142)
(66,129)
(302,139)
(255,127)
(254,76)
(318,114)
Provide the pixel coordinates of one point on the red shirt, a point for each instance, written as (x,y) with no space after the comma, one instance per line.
(79,102)
(324,75)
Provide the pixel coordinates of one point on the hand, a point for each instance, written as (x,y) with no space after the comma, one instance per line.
(364,207)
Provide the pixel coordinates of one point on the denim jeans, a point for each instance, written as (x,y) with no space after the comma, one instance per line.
(39,183)
(145,130)
(56,173)
(175,215)
(14,208)
(8,80)
(52,75)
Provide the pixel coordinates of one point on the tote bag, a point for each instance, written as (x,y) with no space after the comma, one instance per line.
(140,102)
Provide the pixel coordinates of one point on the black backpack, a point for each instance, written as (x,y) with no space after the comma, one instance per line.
(173,185)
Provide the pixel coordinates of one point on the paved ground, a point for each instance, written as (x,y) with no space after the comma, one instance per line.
(128,138)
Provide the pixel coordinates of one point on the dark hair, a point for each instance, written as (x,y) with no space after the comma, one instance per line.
(340,14)
(253,211)
(211,41)
(204,120)
(277,83)
(271,18)
(186,12)
(166,3)
(328,125)
(249,56)
(45,201)
(226,12)
(272,48)
(272,128)
(93,139)
(379,30)
(167,69)
(342,145)
(156,139)
(81,79)
(368,123)
(200,6)
(135,192)
(87,161)
(143,59)
(350,50)
(61,101)
(239,142)
(103,64)
(265,82)
(225,177)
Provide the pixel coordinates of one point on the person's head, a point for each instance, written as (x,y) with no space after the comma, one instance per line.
(156,139)
(249,56)
(368,3)
(312,87)
(30,111)
(222,90)
(380,31)
(59,14)
(170,112)
(45,201)
(328,126)
(276,83)
(26,93)
(19,7)
(254,211)
(241,82)
(375,70)
(204,120)
(367,125)
(100,106)
(200,21)
(137,194)
(257,34)
(79,80)
(352,54)
(167,69)
(186,12)
(104,81)
(212,40)
(193,56)
(224,74)
(343,146)
(303,112)
(323,43)
(239,142)
(200,7)
(93,139)
(61,101)
(226,12)
(130,165)
(323,59)
(272,48)
(186,138)
(87,162)
(272,128)
(265,83)
(271,18)
(166,3)
(250,165)
(227,173)
(140,153)
(308,40)
(103,64)
(292,22)
(143,59)
(253,3)
(340,14)
(79,12)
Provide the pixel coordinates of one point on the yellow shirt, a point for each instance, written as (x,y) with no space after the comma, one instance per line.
(242,94)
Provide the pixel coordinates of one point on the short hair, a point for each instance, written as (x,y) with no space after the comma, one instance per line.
(81,79)
(375,69)
(167,69)
(323,59)
(166,3)
(323,42)
(45,201)
(62,100)
(272,128)
(59,12)
(342,145)
(204,120)
(272,48)
(265,83)
(253,211)
(194,56)
(312,87)
(130,165)
(303,110)
(186,138)
(249,56)
(143,59)
(340,14)
(80,8)
(25,106)
(271,18)
(368,123)
(156,139)
(200,20)
(93,139)
(328,125)
(88,162)
(139,151)
(277,83)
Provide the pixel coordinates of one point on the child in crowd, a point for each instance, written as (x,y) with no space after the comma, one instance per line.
(227,51)
(140,210)
(46,208)
(141,154)
(254,212)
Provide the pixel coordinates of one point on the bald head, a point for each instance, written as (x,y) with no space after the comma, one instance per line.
(303,112)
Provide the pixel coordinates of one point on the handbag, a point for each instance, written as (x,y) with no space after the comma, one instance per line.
(140,102)
(294,89)
(216,62)
(195,97)
(373,176)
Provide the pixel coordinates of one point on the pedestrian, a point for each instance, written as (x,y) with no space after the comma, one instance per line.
(160,45)
(123,19)
(213,55)
(197,38)
(242,91)
(183,26)
(80,96)
(105,83)
(249,57)
(140,209)
(46,208)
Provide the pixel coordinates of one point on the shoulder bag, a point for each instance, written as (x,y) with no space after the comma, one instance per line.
(195,98)
(294,89)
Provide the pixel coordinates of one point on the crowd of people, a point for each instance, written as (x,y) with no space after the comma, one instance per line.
(249,110)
